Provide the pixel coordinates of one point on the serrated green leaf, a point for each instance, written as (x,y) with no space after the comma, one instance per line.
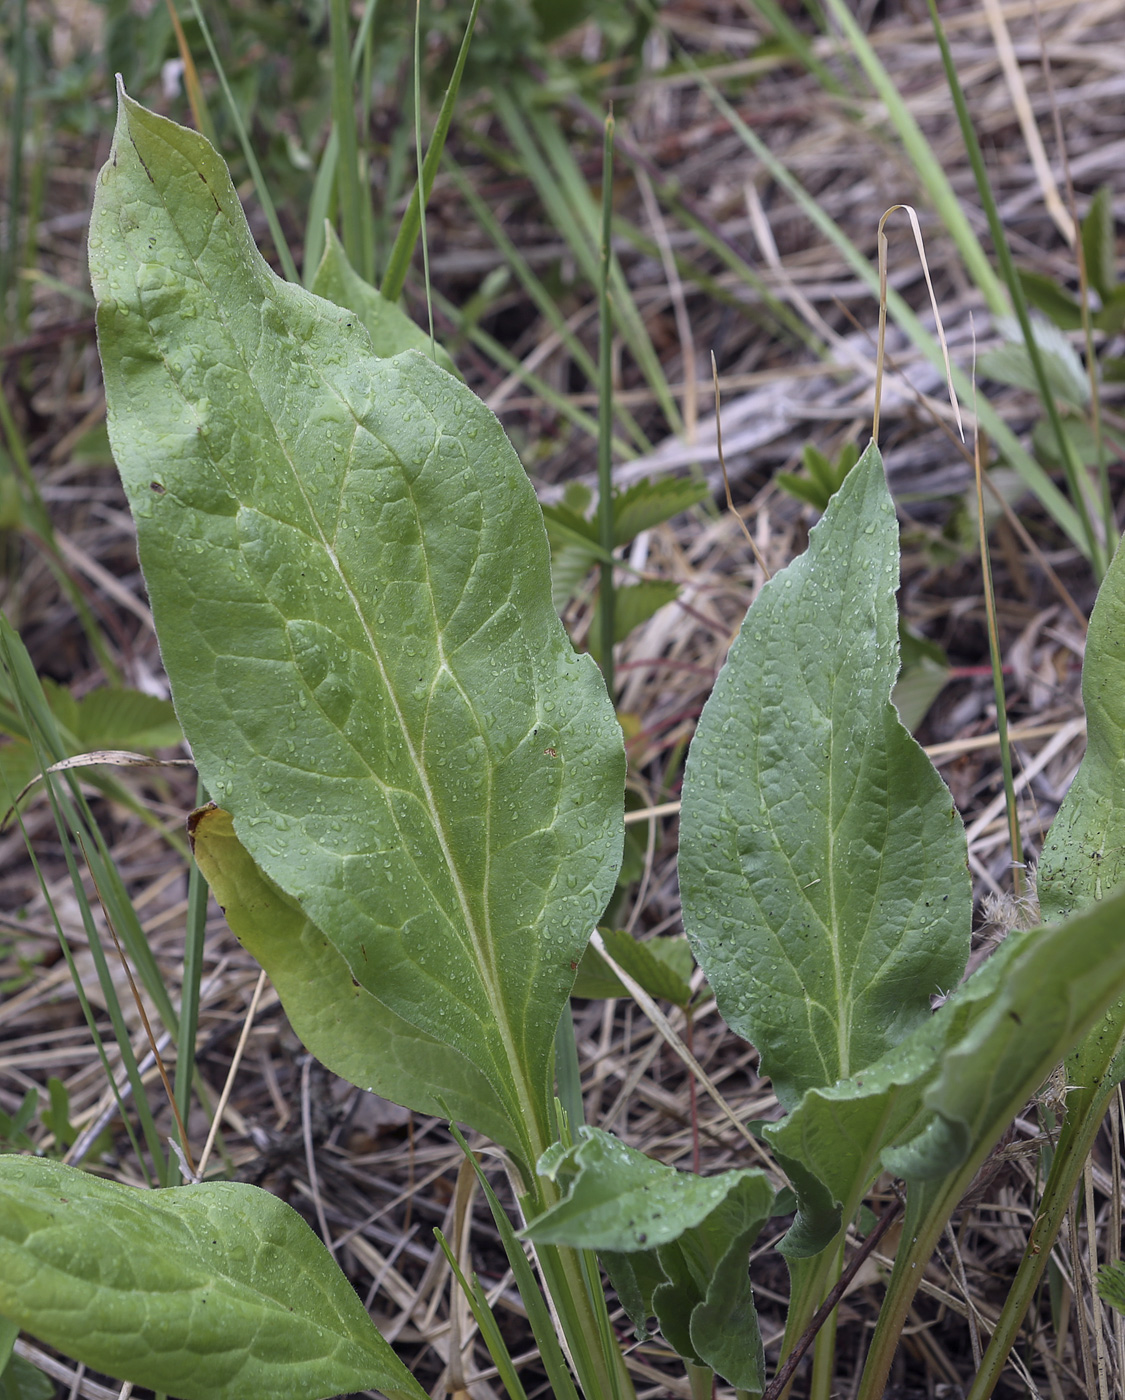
(569,566)
(652,501)
(1045,294)
(390,328)
(945,1094)
(632,606)
(349,575)
(802,489)
(344,1026)
(112,718)
(1099,246)
(822,864)
(212,1292)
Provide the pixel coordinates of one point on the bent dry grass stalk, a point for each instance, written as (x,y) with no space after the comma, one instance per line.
(418,822)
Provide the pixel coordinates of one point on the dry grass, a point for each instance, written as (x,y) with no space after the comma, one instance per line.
(371,1176)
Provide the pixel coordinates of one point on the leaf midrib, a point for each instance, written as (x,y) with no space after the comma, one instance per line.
(481,940)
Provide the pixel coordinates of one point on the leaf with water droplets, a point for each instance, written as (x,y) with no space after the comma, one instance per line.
(822,864)
(349,575)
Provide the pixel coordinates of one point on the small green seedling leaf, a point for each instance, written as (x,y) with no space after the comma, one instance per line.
(344,1026)
(1045,294)
(1011,363)
(390,328)
(676,1244)
(349,574)
(212,1292)
(663,966)
(23,1381)
(824,477)
(1099,246)
(822,865)
(651,502)
(924,673)
(632,606)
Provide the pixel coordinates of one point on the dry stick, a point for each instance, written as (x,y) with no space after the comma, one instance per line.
(1009,514)
(228,1087)
(822,1314)
(881,242)
(726,479)
(664,1026)
(310,1156)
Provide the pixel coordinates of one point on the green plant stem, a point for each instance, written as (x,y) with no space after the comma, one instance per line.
(347,156)
(398,263)
(998,687)
(1095,549)
(701,1379)
(606,595)
(1086,1109)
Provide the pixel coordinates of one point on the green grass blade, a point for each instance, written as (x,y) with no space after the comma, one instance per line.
(490,1333)
(343,126)
(1092,546)
(923,161)
(606,534)
(542,1327)
(398,263)
(566,195)
(1032,474)
(533,286)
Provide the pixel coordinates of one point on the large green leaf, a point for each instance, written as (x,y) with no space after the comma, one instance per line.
(1084,854)
(822,864)
(344,1026)
(946,1093)
(349,575)
(211,1292)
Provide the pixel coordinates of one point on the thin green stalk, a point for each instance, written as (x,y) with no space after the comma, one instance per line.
(288,266)
(503,357)
(15,162)
(418,165)
(702,1381)
(486,1322)
(565,192)
(1085,1110)
(533,285)
(398,263)
(343,117)
(1093,547)
(568,1074)
(797,44)
(606,595)
(998,684)
(195,932)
